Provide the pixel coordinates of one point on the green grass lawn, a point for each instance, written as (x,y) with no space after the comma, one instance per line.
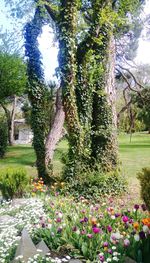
(134,155)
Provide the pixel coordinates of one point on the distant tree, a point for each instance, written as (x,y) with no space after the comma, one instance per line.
(12,83)
(134,83)
(143,103)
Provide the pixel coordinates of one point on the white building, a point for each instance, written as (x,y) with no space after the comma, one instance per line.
(23,133)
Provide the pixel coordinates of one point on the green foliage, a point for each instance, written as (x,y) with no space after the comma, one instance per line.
(143,102)
(144,177)
(13,182)
(124,123)
(94,184)
(3,138)
(13,75)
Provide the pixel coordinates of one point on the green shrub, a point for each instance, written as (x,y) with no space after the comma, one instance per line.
(93,185)
(13,182)
(144,177)
(3,138)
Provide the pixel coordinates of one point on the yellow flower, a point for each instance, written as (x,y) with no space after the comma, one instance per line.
(93,220)
(136,225)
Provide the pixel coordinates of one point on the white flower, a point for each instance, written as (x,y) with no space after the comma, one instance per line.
(68,257)
(145,229)
(19,257)
(136,237)
(113,248)
(101,254)
(60,215)
(78,232)
(113,217)
(115,259)
(39,250)
(108,259)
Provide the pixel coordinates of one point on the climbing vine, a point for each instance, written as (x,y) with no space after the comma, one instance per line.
(86,71)
(36,90)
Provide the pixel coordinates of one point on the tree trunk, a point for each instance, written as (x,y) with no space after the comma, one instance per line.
(11,126)
(55,132)
(110,80)
(10,116)
(104,142)
(68,68)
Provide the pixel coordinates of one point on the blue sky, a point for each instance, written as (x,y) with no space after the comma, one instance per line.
(50,51)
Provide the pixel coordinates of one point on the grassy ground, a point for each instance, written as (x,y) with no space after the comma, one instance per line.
(134,155)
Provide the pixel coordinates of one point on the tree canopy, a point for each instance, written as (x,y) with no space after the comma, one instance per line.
(12,75)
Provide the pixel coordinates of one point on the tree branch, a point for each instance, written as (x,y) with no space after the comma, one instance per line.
(126,80)
(132,75)
(51,10)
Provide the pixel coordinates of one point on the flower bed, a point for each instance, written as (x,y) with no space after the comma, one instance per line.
(94,233)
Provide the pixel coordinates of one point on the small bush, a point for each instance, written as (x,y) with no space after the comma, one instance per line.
(144,177)
(93,185)
(13,182)
(3,138)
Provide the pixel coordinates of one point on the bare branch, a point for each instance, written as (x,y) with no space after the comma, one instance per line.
(132,75)
(124,108)
(126,80)
(51,10)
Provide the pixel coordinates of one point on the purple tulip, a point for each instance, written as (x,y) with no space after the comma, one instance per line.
(82,220)
(96,230)
(131,221)
(125,219)
(126,242)
(83,232)
(109,228)
(85,219)
(136,207)
(89,235)
(101,258)
(59,230)
(142,234)
(74,229)
(110,251)
(117,215)
(105,244)
(143,206)
(58,219)
(43,225)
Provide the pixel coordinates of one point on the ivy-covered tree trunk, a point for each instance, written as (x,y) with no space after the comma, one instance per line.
(104,138)
(68,68)
(36,92)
